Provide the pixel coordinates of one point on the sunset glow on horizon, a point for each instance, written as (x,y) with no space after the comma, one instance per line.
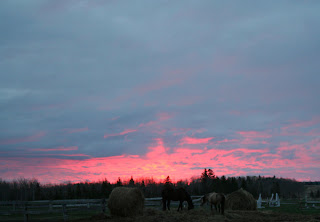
(94,90)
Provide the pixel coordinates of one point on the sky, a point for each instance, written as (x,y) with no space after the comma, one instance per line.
(106,89)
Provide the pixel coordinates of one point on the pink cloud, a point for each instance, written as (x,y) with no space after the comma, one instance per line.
(70,155)
(127,131)
(301,124)
(164,116)
(159,163)
(76,130)
(298,128)
(227,141)
(254,134)
(156,126)
(148,124)
(193,140)
(56,149)
(32,138)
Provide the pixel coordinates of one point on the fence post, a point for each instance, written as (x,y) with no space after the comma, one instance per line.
(88,205)
(306,204)
(14,206)
(26,212)
(50,206)
(103,205)
(64,211)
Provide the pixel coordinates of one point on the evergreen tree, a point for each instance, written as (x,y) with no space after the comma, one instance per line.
(211,174)
(167,180)
(70,193)
(205,181)
(204,176)
(143,187)
(106,188)
(78,190)
(223,184)
(131,182)
(119,182)
(167,183)
(234,185)
(275,187)
(38,191)
(244,184)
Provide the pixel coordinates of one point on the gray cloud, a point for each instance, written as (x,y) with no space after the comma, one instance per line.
(111,66)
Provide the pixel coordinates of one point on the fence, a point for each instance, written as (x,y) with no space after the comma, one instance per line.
(313,203)
(64,206)
(50,206)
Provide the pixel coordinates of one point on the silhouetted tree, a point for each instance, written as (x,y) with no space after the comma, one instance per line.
(275,188)
(131,182)
(119,182)
(167,180)
(106,188)
(223,181)
(143,186)
(204,176)
(211,174)
(243,184)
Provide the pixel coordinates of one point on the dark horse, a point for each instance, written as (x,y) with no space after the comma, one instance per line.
(216,199)
(180,194)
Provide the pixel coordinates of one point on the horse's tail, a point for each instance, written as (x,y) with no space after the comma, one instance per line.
(223,201)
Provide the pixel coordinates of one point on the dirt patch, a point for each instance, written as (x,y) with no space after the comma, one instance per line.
(204,215)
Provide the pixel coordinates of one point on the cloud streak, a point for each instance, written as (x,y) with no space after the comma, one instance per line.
(56,149)
(32,138)
(191,140)
(127,131)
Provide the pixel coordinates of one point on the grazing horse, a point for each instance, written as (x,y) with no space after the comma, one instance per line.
(216,199)
(180,194)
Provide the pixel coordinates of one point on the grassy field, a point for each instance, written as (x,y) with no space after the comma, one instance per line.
(288,211)
(205,215)
(52,217)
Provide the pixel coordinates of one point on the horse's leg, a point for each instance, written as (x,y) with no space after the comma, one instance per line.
(168,204)
(219,209)
(164,204)
(180,205)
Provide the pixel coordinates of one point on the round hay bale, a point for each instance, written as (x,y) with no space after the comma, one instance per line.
(125,201)
(241,200)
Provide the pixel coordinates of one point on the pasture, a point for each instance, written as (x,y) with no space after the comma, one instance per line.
(292,210)
(205,215)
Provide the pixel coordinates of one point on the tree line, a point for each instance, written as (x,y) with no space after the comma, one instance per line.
(31,189)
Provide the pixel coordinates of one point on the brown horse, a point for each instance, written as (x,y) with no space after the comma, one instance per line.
(216,199)
(180,194)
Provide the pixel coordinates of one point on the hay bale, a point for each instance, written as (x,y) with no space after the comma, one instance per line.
(241,200)
(125,201)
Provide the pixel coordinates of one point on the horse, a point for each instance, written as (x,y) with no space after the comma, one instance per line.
(179,194)
(216,199)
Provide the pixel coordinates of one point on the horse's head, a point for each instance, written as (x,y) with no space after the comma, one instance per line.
(203,200)
(190,205)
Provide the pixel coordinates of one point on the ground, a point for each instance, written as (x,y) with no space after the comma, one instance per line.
(204,215)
